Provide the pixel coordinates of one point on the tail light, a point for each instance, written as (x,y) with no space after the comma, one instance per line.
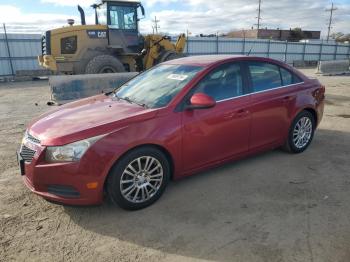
(322,92)
(319,93)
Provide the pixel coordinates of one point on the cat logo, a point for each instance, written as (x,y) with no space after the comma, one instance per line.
(101,34)
(97,33)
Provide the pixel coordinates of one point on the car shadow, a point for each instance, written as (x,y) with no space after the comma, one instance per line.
(253,209)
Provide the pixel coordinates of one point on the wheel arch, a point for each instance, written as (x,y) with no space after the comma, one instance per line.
(308,109)
(157,146)
(313,112)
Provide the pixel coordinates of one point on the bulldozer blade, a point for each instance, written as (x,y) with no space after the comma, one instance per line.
(67,88)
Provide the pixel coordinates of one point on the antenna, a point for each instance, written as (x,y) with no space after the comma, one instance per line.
(330,19)
(250,51)
(155,26)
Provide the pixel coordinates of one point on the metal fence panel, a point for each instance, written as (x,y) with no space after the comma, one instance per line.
(24,49)
(5,68)
(227,46)
(280,50)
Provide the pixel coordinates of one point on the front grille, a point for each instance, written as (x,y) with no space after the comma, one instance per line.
(33,139)
(27,153)
(45,43)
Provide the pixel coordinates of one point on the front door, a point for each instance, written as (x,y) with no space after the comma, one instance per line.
(214,134)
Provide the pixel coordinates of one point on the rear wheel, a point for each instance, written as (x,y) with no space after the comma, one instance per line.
(103,64)
(301,133)
(139,178)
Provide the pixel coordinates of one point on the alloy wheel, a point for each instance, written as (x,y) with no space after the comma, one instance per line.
(141,179)
(302,132)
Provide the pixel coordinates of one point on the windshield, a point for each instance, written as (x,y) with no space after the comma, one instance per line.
(123,17)
(156,87)
(101,13)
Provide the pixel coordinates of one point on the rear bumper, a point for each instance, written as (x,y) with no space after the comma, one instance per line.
(320,110)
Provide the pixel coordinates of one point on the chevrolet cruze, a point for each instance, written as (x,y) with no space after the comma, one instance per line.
(174,120)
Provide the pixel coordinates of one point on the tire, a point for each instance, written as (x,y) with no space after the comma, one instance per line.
(296,144)
(168,55)
(104,64)
(133,192)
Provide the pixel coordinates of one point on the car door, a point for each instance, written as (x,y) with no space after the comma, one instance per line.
(271,104)
(209,135)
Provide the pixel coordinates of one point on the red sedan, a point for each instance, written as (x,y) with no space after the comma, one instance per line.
(176,119)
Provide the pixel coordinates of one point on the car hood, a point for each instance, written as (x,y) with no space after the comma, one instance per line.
(86,118)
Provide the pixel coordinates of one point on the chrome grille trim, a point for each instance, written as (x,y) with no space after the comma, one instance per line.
(43,45)
(27,153)
(33,139)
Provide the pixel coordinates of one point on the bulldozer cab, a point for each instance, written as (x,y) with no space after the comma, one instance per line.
(121,19)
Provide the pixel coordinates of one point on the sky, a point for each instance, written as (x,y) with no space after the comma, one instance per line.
(196,16)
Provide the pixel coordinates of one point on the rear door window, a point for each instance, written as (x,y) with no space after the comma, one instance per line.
(289,78)
(222,83)
(264,76)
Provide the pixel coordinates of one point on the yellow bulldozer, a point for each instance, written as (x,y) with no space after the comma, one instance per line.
(113,44)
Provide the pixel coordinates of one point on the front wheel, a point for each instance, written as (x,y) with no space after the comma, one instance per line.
(104,64)
(139,178)
(301,133)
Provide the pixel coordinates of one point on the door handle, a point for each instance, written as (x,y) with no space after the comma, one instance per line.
(242,112)
(236,114)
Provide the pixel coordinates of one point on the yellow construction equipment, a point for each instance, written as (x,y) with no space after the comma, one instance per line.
(113,44)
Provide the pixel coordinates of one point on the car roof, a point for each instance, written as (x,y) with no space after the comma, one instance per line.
(209,60)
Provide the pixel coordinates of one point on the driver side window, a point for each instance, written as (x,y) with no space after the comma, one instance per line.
(222,83)
(122,17)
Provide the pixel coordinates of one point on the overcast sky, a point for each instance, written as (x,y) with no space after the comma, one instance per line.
(197,16)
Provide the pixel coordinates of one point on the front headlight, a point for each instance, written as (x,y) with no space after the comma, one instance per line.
(69,153)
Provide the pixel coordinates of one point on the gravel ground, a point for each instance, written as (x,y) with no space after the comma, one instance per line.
(271,207)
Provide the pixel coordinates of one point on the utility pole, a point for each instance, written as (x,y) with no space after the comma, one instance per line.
(259,15)
(156,26)
(330,19)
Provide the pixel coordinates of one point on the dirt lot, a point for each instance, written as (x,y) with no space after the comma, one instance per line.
(272,207)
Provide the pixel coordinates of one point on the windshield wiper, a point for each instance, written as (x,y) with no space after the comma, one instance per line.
(127,99)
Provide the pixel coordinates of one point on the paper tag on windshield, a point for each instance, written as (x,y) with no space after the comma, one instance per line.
(177,77)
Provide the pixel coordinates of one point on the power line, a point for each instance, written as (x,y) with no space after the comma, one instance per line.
(330,19)
(259,15)
(155,27)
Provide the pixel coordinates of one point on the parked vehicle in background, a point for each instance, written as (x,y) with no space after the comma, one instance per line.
(113,44)
(174,120)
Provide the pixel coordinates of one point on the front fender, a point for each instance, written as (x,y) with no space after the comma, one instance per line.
(118,143)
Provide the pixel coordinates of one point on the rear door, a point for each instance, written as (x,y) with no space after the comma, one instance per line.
(220,132)
(273,95)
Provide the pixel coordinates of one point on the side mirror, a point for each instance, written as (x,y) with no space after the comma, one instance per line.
(201,101)
(142,10)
